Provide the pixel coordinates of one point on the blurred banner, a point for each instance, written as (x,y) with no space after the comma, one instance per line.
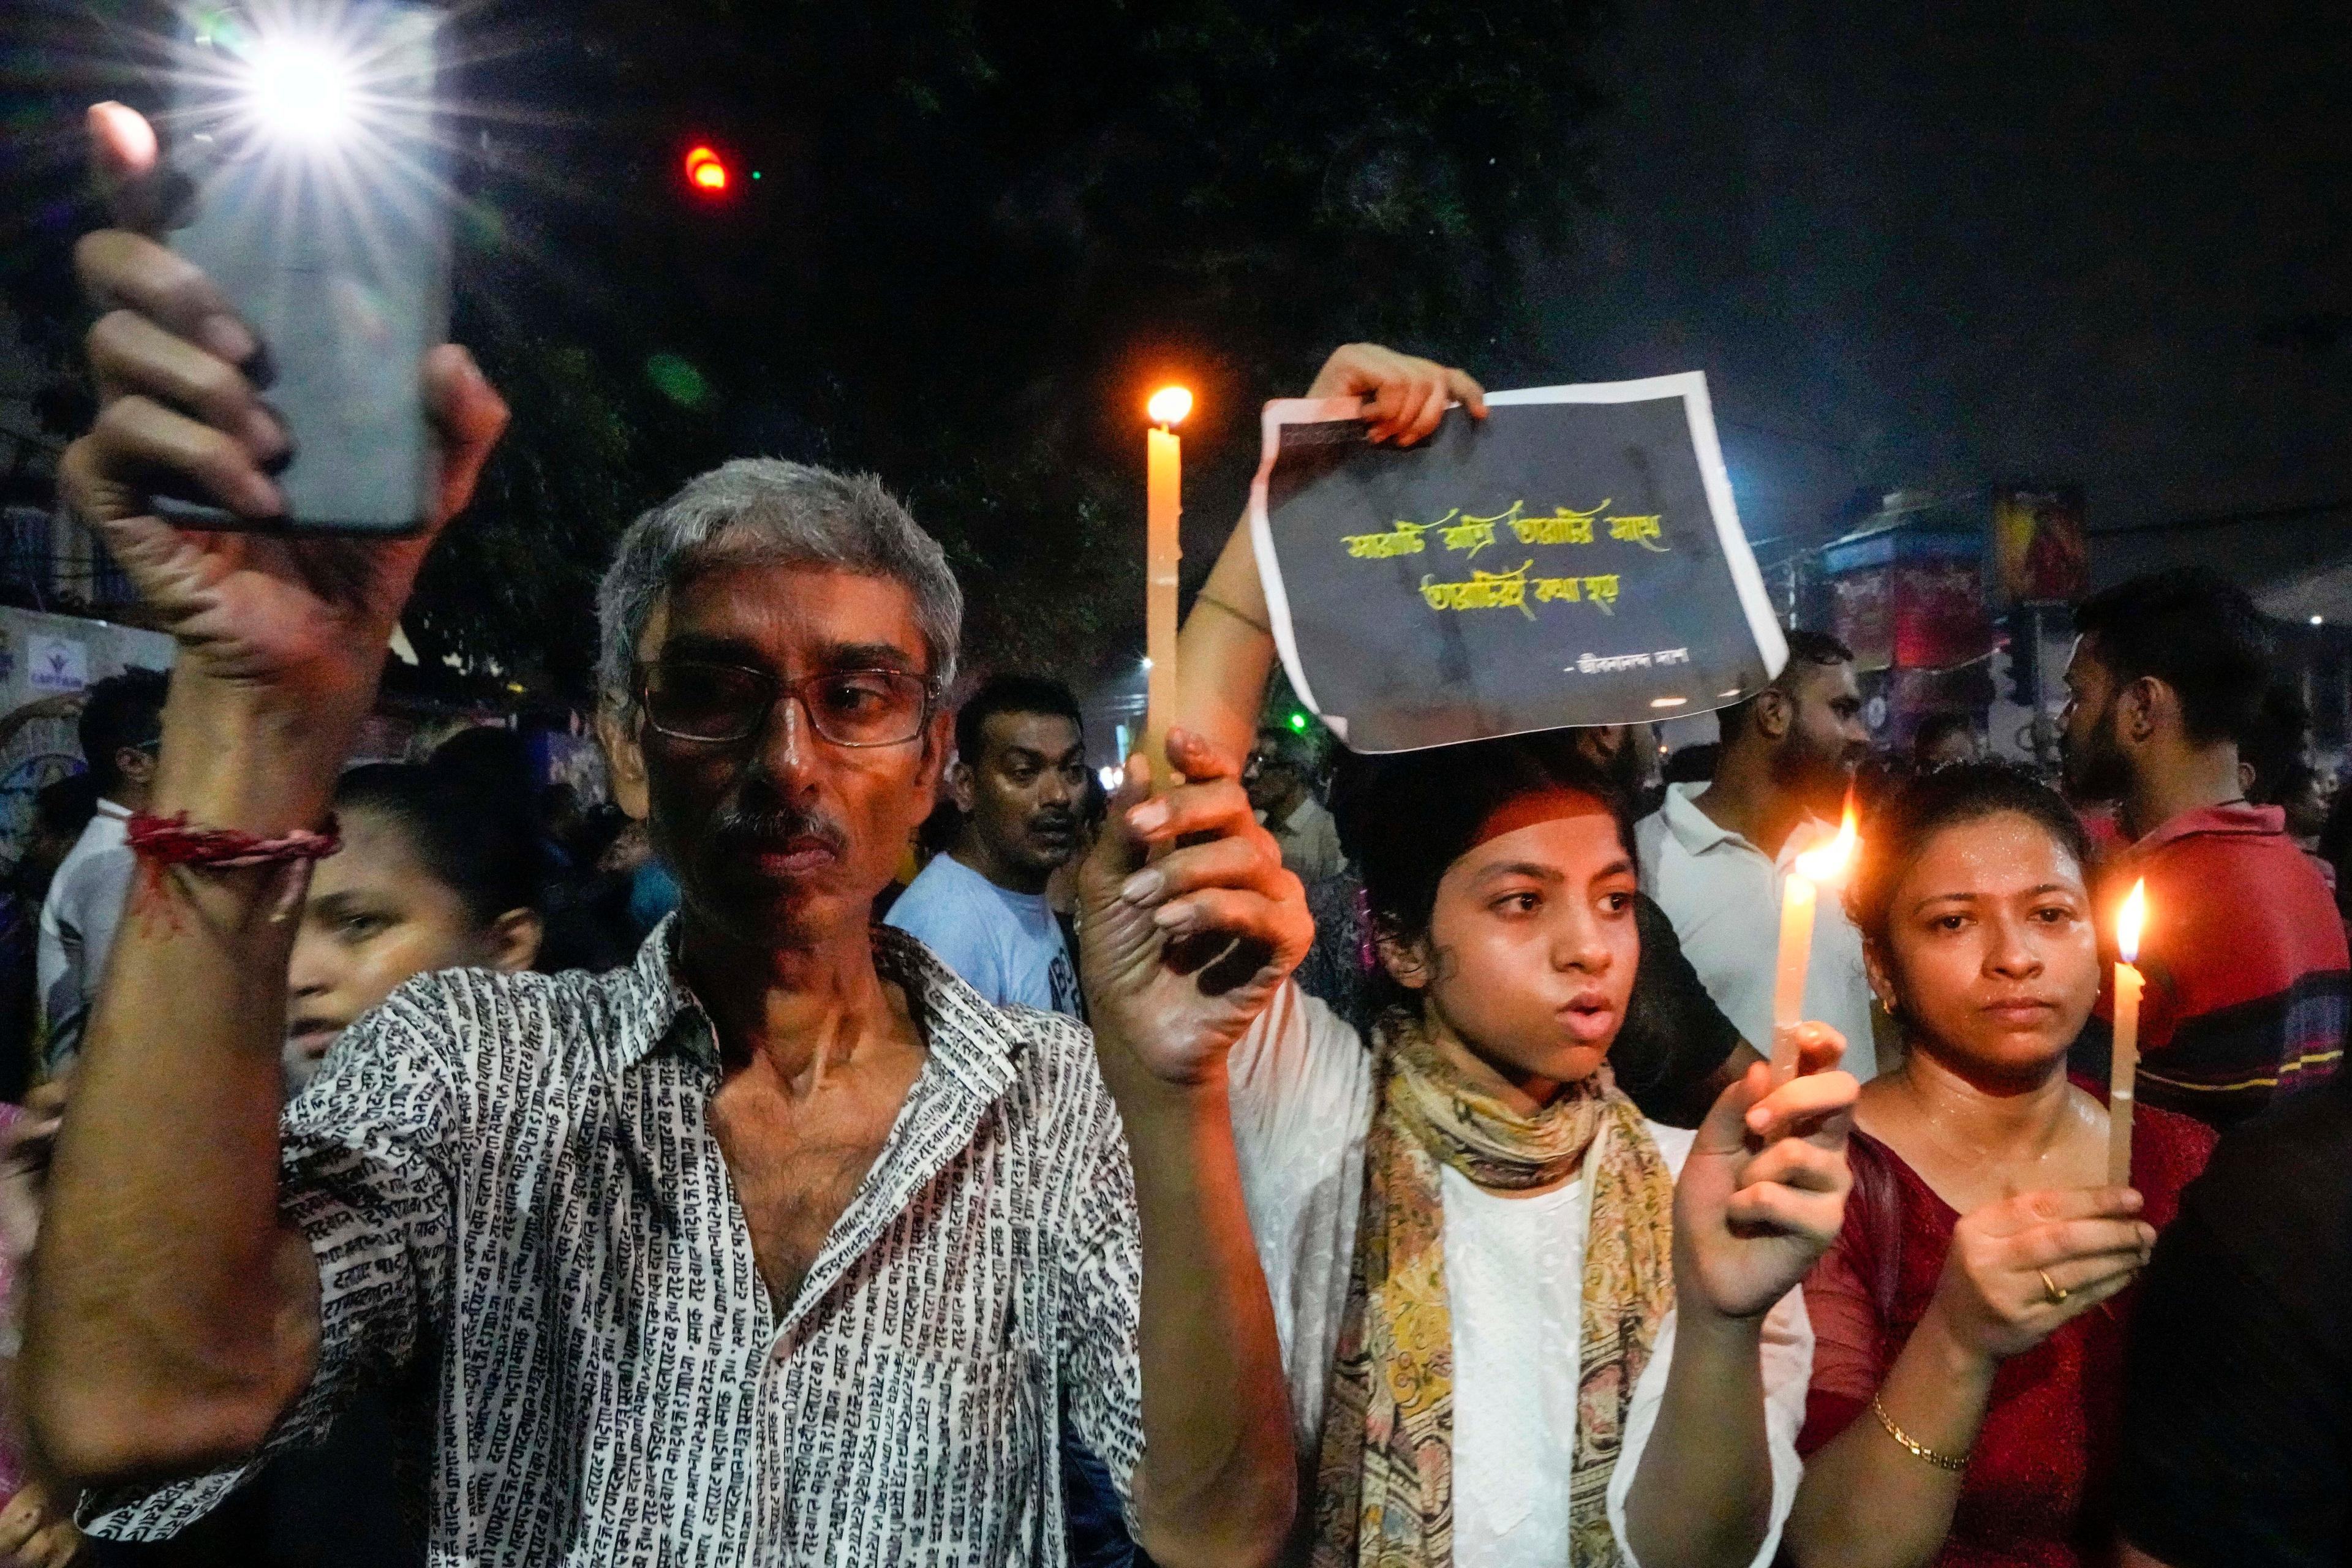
(1573,559)
(2038,544)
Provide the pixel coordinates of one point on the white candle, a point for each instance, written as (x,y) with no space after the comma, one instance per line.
(1163,492)
(1799,896)
(2123,1071)
(1797,901)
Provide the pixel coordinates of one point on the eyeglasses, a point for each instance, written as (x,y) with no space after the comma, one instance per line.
(689,699)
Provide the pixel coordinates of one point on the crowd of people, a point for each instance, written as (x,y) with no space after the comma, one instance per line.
(955,1164)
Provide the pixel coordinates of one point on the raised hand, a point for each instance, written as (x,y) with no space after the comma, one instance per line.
(2020,1268)
(1178,956)
(176,371)
(1763,1193)
(1404,398)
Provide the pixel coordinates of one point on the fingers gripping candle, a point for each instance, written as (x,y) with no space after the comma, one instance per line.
(1824,865)
(2123,1073)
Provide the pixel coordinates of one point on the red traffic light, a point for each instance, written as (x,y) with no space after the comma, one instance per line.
(706,170)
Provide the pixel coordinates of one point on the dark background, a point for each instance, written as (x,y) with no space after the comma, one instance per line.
(2043,239)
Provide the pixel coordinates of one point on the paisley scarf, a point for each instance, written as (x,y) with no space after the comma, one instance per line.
(1384,1492)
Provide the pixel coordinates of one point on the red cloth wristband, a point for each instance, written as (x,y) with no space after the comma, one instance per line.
(170,841)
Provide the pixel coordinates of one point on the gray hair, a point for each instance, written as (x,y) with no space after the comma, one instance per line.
(773,511)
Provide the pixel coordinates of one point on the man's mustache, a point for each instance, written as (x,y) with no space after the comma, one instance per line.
(746,827)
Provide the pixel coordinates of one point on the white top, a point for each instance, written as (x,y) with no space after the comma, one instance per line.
(1302,1107)
(1723,893)
(1005,945)
(77,921)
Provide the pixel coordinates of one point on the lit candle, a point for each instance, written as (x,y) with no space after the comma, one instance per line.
(1163,455)
(2123,1071)
(1822,865)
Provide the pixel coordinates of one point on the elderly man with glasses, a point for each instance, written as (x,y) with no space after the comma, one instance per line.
(777,1245)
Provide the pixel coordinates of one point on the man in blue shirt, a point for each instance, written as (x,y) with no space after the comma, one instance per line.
(1019,779)
(1019,783)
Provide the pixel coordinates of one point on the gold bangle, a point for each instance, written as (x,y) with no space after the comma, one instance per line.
(1918,1449)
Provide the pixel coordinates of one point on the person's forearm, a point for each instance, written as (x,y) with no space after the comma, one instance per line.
(171,1316)
(1868,1502)
(1225,652)
(1703,1497)
(1217,1481)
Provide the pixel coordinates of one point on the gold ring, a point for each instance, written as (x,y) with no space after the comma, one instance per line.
(2057,1296)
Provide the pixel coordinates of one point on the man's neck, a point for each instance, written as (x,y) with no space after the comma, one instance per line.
(973,854)
(2185,780)
(1745,799)
(807,1005)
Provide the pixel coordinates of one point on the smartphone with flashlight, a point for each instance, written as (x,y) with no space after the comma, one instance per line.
(309,185)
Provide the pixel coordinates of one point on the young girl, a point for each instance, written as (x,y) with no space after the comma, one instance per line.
(1966,1395)
(434,873)
(1522,1325)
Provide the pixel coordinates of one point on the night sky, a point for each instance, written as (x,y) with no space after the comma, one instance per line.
(1951,243)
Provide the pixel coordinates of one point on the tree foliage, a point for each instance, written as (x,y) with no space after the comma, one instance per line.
(980,233)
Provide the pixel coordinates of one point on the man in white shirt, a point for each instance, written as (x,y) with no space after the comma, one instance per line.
(1281,792)
(1019,778)
(1716,857)
(122,724)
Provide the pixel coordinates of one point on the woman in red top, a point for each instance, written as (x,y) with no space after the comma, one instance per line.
(1969,1337)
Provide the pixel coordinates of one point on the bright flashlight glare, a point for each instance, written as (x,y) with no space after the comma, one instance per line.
(301,89)
(1169,404)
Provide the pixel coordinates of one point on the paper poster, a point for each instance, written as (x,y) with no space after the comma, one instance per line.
(56,663)
(1572,559)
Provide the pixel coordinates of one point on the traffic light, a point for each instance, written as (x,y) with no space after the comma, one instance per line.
(706,170)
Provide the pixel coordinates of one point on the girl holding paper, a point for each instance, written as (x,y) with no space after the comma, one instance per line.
(1965,1395)
(1522,1325)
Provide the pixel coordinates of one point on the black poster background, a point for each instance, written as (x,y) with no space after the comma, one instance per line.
(1398,674)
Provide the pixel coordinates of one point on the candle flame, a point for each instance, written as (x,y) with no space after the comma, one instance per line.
(1169,404)
(2128,923)
(1827,862)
